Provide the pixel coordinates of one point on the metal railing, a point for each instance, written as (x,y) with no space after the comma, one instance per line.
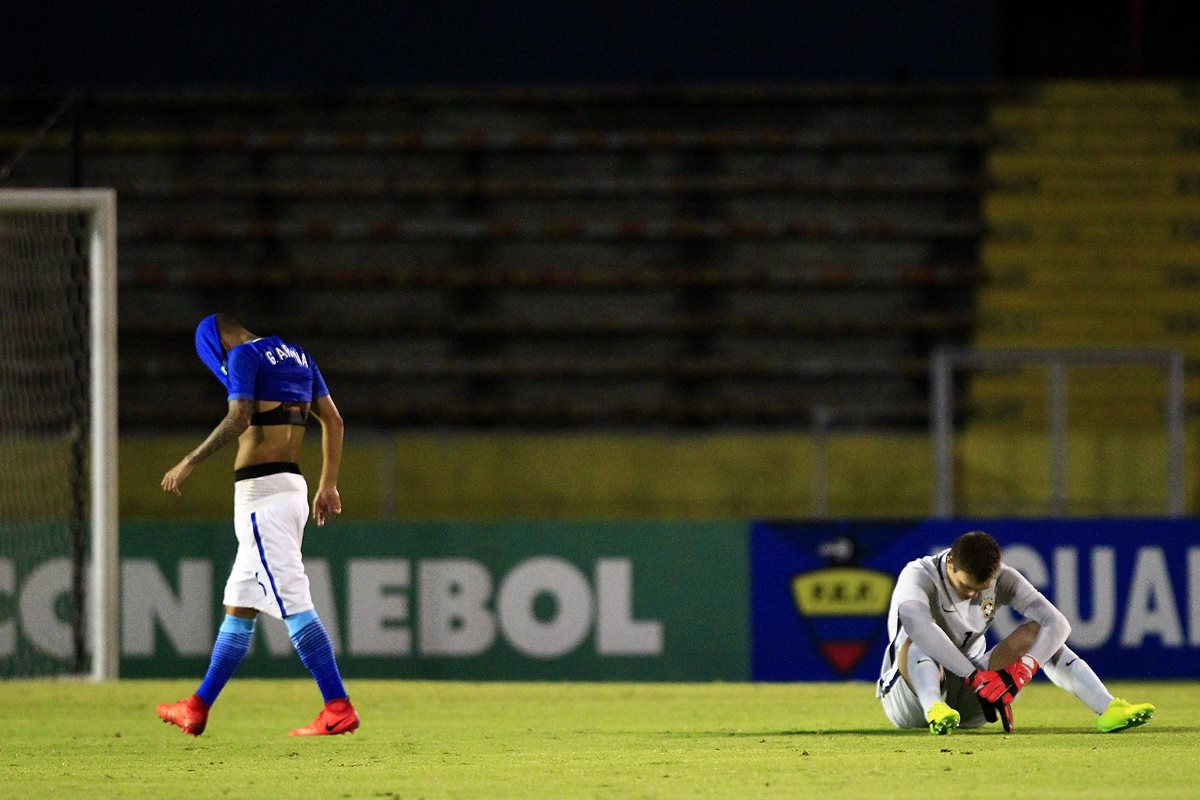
(947,360)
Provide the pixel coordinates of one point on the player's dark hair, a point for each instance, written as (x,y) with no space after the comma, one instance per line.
(230,327)
(227,324)
(977,554)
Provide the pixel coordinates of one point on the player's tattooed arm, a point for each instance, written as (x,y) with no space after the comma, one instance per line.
(236,420)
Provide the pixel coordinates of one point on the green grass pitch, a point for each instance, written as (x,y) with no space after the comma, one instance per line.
(579,740)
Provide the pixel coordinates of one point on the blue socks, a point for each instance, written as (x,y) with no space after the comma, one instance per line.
(308,635)
(233,640)
(316,653)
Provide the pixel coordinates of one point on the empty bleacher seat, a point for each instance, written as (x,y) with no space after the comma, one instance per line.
(546,257)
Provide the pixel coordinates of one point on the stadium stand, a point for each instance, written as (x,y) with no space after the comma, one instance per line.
(1094,220)
(544,257)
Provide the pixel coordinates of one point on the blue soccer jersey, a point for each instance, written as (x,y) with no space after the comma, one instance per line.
(271,369)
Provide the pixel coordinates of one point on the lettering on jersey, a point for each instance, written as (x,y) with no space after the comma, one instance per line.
(276,354)
(844,609)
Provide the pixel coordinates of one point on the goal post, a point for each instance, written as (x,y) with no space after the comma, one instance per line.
(40,229)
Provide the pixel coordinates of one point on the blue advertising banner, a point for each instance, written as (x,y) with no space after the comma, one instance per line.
(1129,587)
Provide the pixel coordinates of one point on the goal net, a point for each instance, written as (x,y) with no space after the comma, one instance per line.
(58,520)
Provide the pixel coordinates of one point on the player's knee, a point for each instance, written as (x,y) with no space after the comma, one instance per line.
(1019,642)
(1015,645)
(907,659)
(1025,635)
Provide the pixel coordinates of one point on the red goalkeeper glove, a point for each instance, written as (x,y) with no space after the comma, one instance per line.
(988,684)
(1007,682)
(998,711)
(1005,712)
(1017,674)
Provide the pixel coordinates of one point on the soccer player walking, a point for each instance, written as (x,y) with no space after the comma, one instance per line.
(937,671)
(273,386)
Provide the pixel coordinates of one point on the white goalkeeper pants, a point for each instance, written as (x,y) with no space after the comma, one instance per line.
(904,709)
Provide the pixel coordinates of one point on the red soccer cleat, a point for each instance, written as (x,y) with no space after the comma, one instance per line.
(190,714)
(338,716)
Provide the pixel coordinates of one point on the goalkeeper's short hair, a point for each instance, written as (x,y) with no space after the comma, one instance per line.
(977,554)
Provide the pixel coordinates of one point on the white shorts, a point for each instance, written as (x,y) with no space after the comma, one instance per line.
(904,709)
(269,514)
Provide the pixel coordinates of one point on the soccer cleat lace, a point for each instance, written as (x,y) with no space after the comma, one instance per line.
(190,714)
(942,719)
(338,716)
(1121,715)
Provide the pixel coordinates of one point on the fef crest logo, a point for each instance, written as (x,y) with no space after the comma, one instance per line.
(844,609)
(821,593)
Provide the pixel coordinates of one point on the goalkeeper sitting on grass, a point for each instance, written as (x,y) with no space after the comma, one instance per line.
(937,671)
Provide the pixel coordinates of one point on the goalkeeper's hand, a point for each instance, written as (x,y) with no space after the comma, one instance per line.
(1017,674)
(1006,719)
(1002,686)
(988,684)
(998,711)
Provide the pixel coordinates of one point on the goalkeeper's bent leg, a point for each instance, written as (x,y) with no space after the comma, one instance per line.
(1068,671)
(925,677)
(1015,645)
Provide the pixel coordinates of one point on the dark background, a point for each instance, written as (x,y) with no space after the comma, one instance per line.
(348,43)
(649,41)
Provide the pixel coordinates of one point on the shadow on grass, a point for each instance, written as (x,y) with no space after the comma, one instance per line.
(893,733)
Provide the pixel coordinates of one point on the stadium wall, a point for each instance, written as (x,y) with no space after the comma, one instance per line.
(656,601)
(1002,471)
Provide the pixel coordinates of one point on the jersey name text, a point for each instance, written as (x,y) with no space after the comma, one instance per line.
(277,354)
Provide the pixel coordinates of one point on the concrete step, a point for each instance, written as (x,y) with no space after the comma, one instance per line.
(1133,210)
(1096,233)
(1008,163)
(1148,256)
(1093,300)
(1108,94)
(1109,117)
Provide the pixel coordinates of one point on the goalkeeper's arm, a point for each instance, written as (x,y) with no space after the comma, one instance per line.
(919,625)
(1053,627)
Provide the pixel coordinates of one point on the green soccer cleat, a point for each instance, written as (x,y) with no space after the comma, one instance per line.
(942,719)
(1121,715)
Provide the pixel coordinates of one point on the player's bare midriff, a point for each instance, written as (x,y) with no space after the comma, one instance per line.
(263,444)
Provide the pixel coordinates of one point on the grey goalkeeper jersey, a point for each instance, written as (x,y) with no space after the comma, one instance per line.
(952,630)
